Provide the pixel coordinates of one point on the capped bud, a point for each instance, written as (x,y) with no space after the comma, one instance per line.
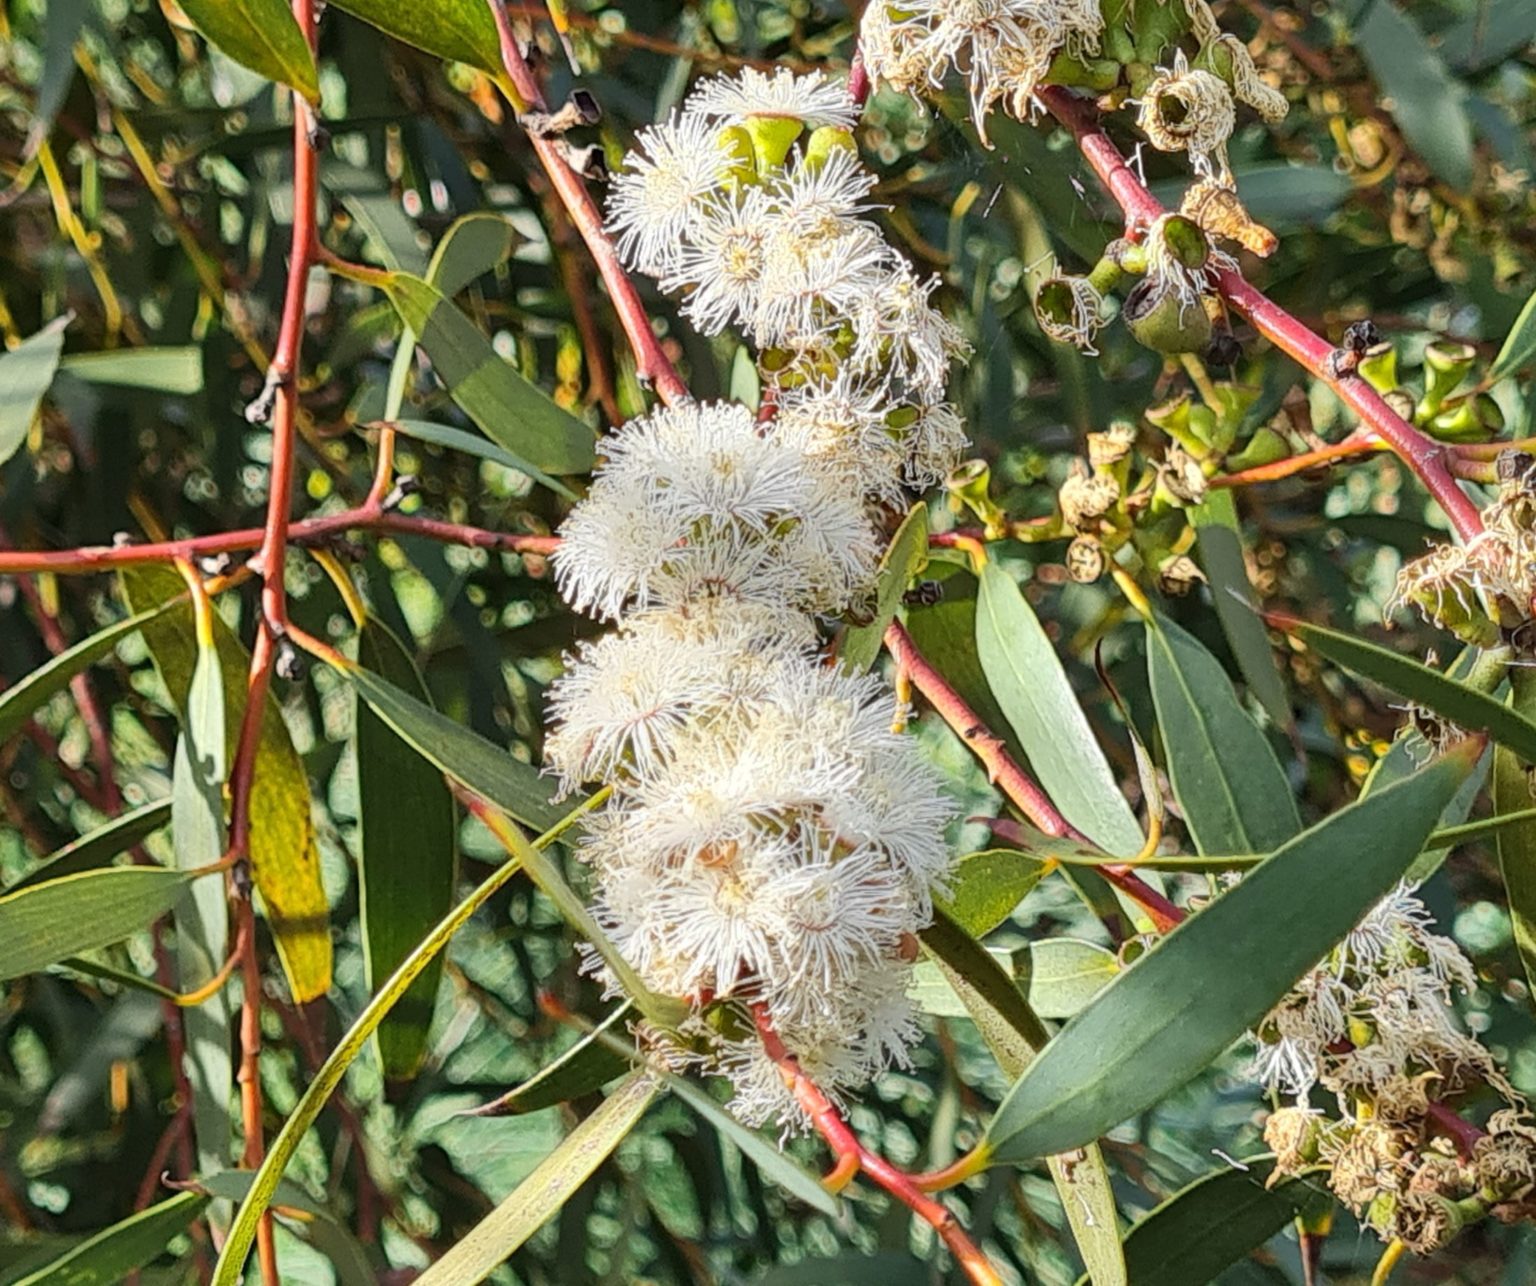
(1085,498)
(1217,209)
(824,142)
(1182,475)
(1164,318)
(1178,575)
(1086,560)
(1069,310)
(772,137)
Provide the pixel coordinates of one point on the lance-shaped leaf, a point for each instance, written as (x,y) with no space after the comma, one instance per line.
(1202,986)
(1032,688)
(1013,1033)
(508,408)
(1058,977)
(1517,843)
(261,35)
(987,886)
(164,370)
(487,770)
(1449,697)
(22,699)
(49,922)
(408,834)
(1230,786)
(586,1066)
(100,846)
(108,1257)
(461,30)
(285,861)
(198,774)
(1519,347)
(1213,1223)
(489,1243)
(904,558)
(26,371)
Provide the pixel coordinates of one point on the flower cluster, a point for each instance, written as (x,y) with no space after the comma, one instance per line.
(773,841)
(1373,1025)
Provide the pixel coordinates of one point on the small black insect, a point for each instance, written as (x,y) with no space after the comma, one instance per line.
(924,594)
(1359,338)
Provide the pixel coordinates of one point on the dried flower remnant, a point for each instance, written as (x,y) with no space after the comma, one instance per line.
(1373,1024)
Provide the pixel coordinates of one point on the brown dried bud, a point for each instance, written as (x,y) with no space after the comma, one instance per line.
(1516,468)
(1086,560)
(1425,1224)
(1182,475)
(1085,497)
(1178,576)
(1217,209)
(1292,1134)
(1111,446)
(1367,1165)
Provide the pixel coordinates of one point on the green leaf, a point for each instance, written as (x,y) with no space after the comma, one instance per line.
(473,246)
(507,408)
(462,30)
(536,1199)
(285,859)
(1427,104)
(1489,34)
(26,371)
(1057,976)
(1202,986)
(409,854)
(100,846)
(1212,1223)
(1517,844)
(49,922)
(985,887)
(229,1269)
(904,558)
(885,1268)
(198,774)
(444,435)
(586,1066)
(487,770)
(21,700)
(62,26)
(1229,785)
(1221,557)
(163,370)
(1519,348)
(319,1226)
(1463,705)
(261,35)
(1029,683)
(109,1256)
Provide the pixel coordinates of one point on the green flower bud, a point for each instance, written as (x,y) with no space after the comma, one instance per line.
(823,142)
(772,137)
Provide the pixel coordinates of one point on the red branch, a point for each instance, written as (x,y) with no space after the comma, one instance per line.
(1004,771)
(853,1157)
(652,365)
(1426,457)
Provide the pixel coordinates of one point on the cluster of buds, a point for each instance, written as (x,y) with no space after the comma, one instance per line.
(772,842)
(1373,1025)
(1484,591)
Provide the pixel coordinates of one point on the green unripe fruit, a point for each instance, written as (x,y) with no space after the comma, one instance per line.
(1156,315)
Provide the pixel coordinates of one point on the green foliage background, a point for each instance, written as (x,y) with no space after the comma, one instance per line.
(1400,188)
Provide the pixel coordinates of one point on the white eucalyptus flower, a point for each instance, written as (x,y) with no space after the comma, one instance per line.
(809,98)
(654,201)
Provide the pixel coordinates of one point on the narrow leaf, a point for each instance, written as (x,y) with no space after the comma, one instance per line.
(1519,348)
(474,444)
(1446,696)
(285,860)
(987,886)
(408,837)
(536,1199)
(100,846)
(507,408)
(111,1255)
(1032,688)
(460,30)
(473,246)
(26,371)
(261,35)
(586,1066)
(163,370)
(487,770)
(1220,537)
(1230,786)
(1178,1007)
(1512,783)
(1057,976)
(49,922)
(1211,1224)
(904,558)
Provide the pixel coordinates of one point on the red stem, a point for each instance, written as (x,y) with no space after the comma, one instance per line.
(651,364)
(1426,457)
(852,1157)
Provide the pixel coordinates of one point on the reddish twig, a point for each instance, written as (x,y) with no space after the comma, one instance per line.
(1361,442)
(1426,457)
(1004,772)
(651,364)
(853,1157)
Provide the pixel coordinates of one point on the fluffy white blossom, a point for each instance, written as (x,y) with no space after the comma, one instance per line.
(811,99)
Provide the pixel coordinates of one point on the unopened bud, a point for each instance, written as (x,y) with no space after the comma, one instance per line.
(1085,498)
(1178,576)
(1085,560)
(1111,446)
